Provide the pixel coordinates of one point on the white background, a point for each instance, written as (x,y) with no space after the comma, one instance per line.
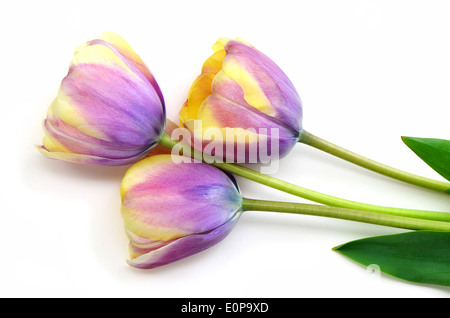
(368,72)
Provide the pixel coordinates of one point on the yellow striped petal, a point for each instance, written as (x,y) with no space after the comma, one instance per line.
(127,51)
(253,94)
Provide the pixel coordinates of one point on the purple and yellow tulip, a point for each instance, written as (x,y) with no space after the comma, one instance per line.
(109,109)
(172,211)
(241,89)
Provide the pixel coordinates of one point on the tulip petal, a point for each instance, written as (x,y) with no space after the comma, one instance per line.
(163,200)
(88,159)
(61,137)
(240,132)
(139,246)
(131,58)
(182,247)
(107,109)
(218,111)
(266,86)
(199,91)
(213,64)
(227,89)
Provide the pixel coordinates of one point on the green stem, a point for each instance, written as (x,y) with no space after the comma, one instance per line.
(328,147)
(345,214)
(304,192)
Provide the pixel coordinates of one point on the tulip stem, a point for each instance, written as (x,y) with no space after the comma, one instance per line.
(328,147)
(304,192)
(345,214)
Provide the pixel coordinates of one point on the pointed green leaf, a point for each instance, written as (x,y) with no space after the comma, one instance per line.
(435,152)
(421,257)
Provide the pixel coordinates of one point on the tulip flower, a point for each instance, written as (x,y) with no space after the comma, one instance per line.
(109,109)
(240,89)
(174,210)
(245,98)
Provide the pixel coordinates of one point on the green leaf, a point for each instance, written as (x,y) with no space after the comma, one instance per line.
(420,257)
(435,152)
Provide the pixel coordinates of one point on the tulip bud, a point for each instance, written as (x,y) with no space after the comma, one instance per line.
(109,109)
(241,91)
(172,211)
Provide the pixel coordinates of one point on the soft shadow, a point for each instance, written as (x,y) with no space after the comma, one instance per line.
(79,171)
(36,171)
